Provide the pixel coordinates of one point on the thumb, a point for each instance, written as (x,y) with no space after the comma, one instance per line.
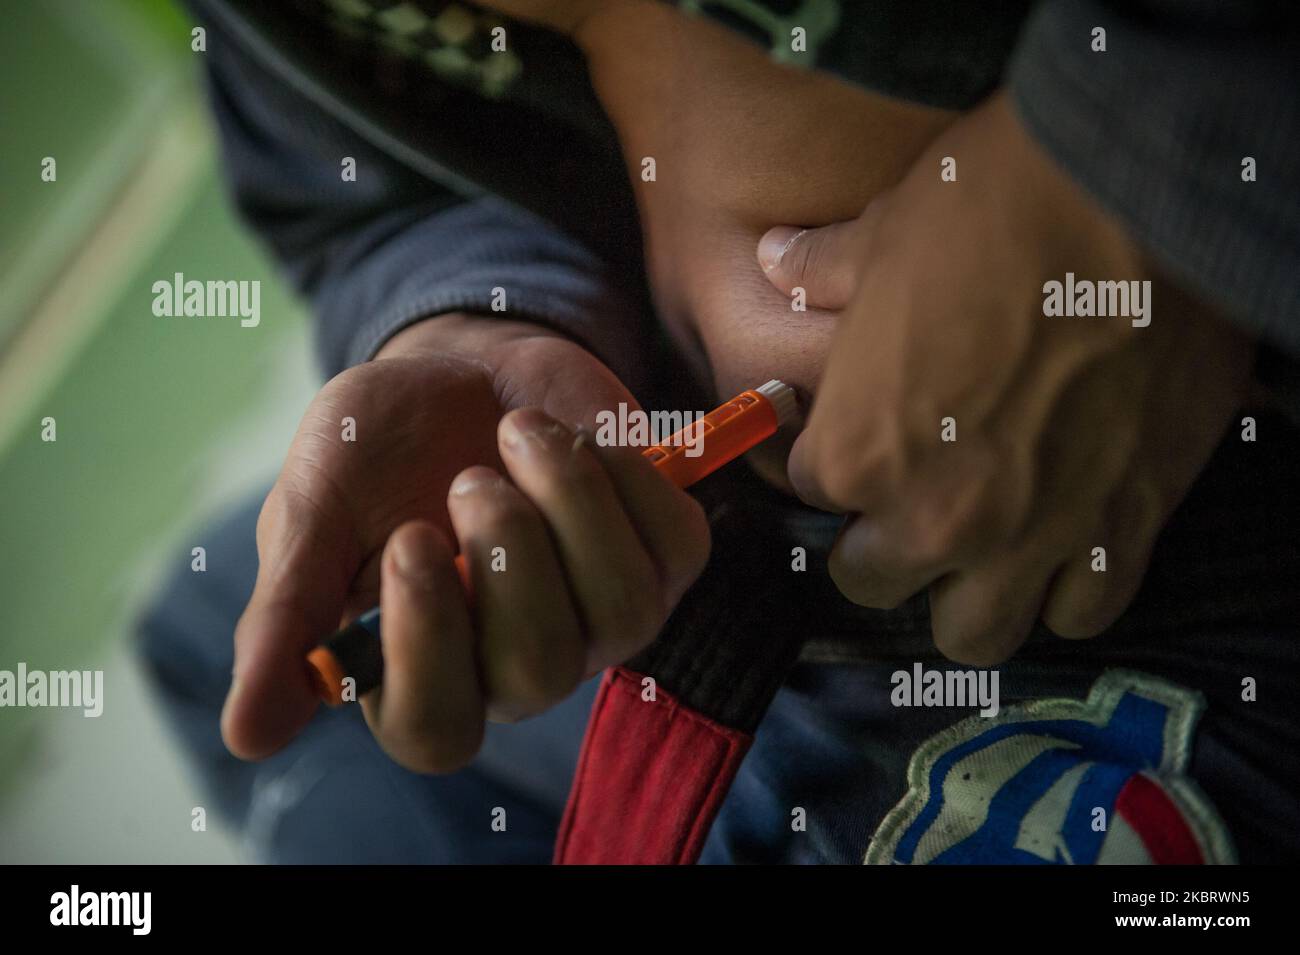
(305,568)
(823,262)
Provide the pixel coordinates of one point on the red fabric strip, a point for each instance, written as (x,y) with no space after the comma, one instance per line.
(1159,823)
(650,780)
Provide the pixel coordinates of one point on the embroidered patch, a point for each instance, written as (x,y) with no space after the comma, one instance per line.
(1061,781)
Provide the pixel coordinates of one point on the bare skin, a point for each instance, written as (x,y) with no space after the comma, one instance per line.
(997,532)
(739,143)
(335,537)
(926,304)
(465,441)
(1071,433)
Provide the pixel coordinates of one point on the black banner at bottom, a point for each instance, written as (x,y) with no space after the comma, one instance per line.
(335,905)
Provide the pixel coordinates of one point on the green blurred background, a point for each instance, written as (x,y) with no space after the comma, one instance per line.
(161,422)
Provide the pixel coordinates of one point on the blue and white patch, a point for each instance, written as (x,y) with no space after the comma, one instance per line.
(1061,781)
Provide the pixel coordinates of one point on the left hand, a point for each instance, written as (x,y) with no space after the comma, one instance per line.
(1070,433)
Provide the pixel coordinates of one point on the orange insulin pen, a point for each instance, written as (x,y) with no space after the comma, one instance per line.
(723,435)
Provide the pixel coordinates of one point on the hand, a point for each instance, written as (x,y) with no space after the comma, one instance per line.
(1070,433)
(598,547)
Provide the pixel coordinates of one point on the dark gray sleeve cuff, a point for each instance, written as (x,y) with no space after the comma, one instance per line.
(1156,129)
(393,274)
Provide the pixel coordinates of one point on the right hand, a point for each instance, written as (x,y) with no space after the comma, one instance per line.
(598,547)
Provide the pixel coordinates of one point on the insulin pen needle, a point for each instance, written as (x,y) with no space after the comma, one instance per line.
(728,432)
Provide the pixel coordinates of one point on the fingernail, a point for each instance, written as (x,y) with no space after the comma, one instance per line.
(473,479)
(533,429)
(414,556)
(774,244)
